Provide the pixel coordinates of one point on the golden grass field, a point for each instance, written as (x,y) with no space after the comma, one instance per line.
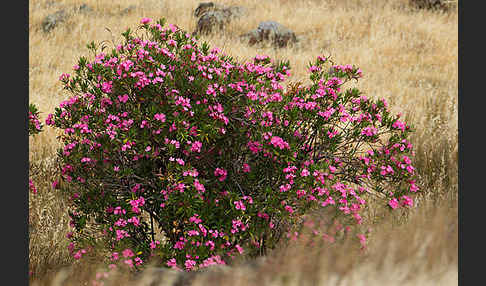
(408,56)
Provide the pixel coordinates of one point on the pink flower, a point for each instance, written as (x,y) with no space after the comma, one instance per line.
(305,173)
(64,76)
(246,168)
(369,131)
(160,117)
(123,98)
(172,262)
(179,245)
(85,160)
(239,248)
(196,146)
(32,187)
(195,219)
(413,187)
(301,193)
(138,261)
(128,253)
(289,209)
(204,231)
(154,244)
(193,233)
(407,160)
(284,188)
(121,222)
(358,218)
(119,210)
(120,234)
(70,247)
(386,170)
(332,169)
(134,220)
(128,262)
(190,264)
(327,114)
(362,240)
(49,120)
(145,20)
(106,87)
(115,256)
(399,125)
(410,169)
(279,142)
(173,28)
(406,201)
(221,173)
(314,68)
(192,173)
(321,58)
(331,133)
(249,199)
(239,205)
(393,203)
(261,57)
(199,186)
(254,146)
(79,254)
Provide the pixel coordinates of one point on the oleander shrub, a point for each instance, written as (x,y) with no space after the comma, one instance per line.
(176,153)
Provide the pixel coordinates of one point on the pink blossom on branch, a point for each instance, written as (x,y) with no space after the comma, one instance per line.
(279,142)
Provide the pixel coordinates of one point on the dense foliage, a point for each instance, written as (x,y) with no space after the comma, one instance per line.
(177,152)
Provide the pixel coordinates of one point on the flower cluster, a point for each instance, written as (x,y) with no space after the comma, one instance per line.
(35,125)
(163,133)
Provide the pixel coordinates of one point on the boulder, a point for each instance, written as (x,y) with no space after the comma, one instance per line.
(431,4)
(214,17)
(204,7)
(236,11)
(128,10)
(52,20)
(270,31)
(210,21)
(84,8)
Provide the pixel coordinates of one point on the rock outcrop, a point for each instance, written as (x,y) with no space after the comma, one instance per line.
(213,17)
(271,32)
(52,20)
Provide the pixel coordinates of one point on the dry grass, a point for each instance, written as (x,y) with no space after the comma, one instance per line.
(48,222)
(408,56)
(422,251)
